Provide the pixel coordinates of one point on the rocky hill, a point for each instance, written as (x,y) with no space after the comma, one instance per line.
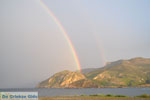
(122,73)
(62,79)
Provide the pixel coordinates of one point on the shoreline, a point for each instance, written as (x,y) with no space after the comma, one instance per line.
(94,88)
(74,88)
(97,97)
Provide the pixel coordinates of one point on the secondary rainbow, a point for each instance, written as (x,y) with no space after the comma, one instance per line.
(64,33)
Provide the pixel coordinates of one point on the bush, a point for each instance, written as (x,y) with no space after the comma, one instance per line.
(109,95)
(120,96)
(83,95)
(144,96)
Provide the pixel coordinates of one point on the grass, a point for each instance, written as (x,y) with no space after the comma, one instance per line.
(98,97)
(102,95)
(144,96)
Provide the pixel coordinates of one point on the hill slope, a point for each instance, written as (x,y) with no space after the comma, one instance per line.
(62,79)
(122,73)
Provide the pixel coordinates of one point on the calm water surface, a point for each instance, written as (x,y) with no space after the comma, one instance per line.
(86,91)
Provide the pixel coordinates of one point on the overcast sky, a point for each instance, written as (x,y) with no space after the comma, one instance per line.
(32,47)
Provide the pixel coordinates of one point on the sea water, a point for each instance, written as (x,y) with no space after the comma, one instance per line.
(81,91)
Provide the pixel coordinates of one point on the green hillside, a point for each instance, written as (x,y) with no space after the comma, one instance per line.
(122,73)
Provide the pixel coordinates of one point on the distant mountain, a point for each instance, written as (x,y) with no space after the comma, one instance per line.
(122,73)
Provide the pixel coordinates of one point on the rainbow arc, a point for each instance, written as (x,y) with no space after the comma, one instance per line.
(52,15)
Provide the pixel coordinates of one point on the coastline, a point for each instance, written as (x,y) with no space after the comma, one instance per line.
(97,97)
